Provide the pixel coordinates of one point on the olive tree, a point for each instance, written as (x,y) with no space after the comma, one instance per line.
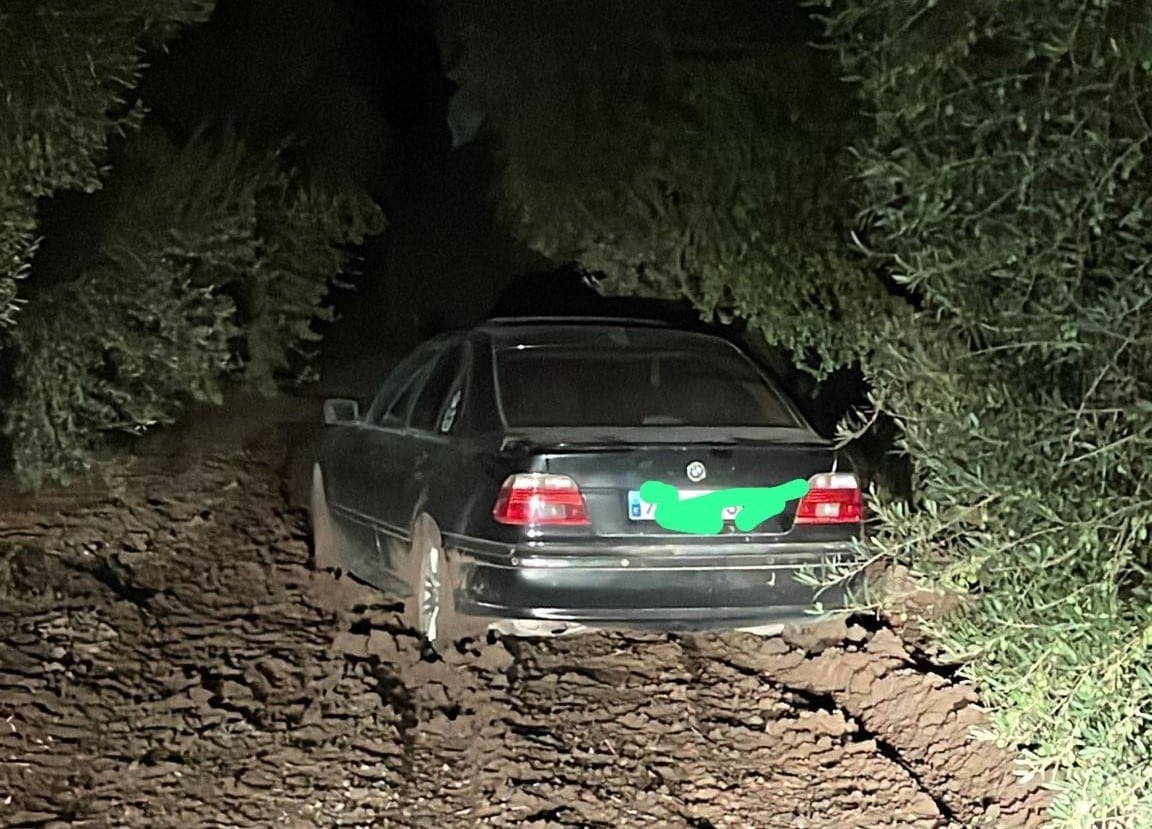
(213,262)
(675,165)
(1007,185)
(68,69)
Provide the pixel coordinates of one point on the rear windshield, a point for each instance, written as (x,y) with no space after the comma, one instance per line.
(628,387)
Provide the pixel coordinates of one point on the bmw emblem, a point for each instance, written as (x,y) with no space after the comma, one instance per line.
(696,471)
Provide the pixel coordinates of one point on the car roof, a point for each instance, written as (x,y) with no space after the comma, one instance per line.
(607,331)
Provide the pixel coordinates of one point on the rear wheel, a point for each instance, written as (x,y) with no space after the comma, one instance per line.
(325,553)
(434,606)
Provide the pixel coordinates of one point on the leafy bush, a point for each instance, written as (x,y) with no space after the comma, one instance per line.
(66,68)
(213,262)
(714,174)
(1007,185)
(736,206)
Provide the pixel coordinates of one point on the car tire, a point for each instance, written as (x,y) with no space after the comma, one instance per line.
(433,612)
(325,548)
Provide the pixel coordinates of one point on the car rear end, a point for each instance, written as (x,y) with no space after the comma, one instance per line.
(591,414)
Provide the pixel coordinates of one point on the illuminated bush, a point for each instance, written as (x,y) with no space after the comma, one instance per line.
(1000,186)
(1007,186)
(67,69)
(213,263)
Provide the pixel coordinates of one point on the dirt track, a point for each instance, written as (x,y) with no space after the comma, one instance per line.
(169,659)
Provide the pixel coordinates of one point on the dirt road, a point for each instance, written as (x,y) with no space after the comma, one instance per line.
(169,659)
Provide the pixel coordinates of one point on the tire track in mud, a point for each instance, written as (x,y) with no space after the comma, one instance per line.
(168,659)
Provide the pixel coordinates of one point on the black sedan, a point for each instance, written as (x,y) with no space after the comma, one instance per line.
(508,476)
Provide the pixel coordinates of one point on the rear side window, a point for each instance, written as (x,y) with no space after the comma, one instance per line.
(435,392)
(399,381)
(397,413)
(626,387)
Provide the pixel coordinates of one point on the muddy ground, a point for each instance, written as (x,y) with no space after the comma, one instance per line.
(168,658)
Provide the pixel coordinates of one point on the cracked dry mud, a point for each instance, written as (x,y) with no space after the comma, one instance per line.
(169,659)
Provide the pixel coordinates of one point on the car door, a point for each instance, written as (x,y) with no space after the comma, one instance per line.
(429,427)
(346,482)
(374,476)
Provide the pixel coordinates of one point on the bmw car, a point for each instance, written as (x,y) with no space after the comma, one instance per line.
(542,476)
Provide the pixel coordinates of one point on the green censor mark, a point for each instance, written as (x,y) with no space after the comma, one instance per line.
(704,514)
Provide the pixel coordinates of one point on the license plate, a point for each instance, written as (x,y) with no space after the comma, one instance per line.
(641,510)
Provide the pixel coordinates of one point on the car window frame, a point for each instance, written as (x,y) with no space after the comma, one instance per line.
(457,393)
(394,383)
(480,404)
(416,365)
(463,385)
(450,347)
(789,405)
(414,385)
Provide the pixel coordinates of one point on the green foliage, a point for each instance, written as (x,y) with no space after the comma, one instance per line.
(66,68)
(213,262)
(1007,182)
(112,352)
(713,209)
(307,232)
(684,172)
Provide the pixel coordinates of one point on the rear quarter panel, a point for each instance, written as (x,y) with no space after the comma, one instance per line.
(463,489)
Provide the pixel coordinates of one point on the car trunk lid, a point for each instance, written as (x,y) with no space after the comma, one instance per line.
(611,469)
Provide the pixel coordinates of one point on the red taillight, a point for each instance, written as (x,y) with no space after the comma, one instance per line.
(833,498)
(536,498)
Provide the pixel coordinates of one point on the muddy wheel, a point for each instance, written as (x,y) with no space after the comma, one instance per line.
(325,551)
(434,612)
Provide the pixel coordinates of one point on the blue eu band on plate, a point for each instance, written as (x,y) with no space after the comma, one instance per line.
(641,510)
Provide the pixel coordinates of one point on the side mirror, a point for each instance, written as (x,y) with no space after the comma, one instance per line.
(341,410)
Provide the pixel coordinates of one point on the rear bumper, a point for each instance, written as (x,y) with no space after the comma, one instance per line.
(665,587)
